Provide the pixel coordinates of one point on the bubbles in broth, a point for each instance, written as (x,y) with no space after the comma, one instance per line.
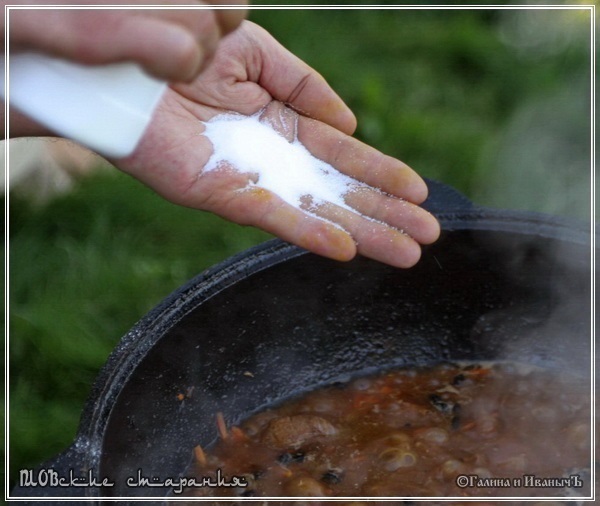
(452,430)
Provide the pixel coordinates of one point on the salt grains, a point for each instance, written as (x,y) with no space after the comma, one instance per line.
(285,168)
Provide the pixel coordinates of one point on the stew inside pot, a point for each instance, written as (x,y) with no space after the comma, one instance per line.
(452,430)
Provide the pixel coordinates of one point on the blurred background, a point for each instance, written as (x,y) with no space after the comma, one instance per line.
(493,102)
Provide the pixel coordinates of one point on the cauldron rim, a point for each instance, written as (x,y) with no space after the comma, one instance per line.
(275,251)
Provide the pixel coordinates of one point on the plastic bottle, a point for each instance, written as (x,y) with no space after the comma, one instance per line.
(106,108)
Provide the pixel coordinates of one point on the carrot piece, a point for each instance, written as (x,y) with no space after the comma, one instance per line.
(238,434)
(199,455)
(221,426)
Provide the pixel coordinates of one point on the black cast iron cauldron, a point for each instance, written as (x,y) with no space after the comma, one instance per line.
(497,285)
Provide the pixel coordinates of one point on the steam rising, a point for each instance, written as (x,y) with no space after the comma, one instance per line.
(541,161)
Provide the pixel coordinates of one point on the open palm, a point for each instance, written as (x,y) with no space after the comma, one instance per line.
(251,72)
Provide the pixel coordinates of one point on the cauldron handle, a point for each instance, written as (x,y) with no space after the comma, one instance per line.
(444,198)
(454,211)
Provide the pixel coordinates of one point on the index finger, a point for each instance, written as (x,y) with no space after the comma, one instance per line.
(360,161)
(291,81)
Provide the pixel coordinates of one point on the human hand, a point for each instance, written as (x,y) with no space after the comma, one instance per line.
(252,72)
(171,44)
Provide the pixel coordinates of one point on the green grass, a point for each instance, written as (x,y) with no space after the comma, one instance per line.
(84,269)
(507,124)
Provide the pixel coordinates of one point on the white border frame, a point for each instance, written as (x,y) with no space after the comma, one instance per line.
(591,8)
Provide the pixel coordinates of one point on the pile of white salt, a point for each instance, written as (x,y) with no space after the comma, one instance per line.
(285,168)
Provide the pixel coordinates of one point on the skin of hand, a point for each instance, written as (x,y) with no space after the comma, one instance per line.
(174,45)
(251,72)
(171,44)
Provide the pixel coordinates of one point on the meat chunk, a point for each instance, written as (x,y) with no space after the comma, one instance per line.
(295,431)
